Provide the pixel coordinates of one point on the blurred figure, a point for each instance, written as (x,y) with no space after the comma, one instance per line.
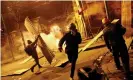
(31,50)
(72,39)
(113,36)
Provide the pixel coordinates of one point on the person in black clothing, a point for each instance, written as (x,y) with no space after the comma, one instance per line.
(32,49)
(113,36)
(72,39)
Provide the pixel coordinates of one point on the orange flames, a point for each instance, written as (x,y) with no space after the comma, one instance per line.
(52,39)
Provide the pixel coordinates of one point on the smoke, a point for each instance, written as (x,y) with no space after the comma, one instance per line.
(52,39)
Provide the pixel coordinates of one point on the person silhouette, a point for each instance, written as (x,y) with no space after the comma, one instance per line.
(72,39)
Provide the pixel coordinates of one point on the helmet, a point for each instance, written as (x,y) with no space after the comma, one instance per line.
(105,20)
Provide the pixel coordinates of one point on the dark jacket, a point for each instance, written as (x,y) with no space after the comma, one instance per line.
(71,41)
(31,48)
(113,34)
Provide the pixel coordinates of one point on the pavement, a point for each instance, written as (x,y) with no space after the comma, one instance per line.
(109,68)
(52,72)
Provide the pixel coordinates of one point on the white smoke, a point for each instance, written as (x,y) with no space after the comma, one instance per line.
(52,39)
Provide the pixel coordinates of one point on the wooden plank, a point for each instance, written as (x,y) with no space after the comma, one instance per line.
(96,37)
(92,41)
(45,50)
(29,26)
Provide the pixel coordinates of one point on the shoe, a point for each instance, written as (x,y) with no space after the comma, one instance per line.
(32,69)
(38,73)
(40,66)
(64,64)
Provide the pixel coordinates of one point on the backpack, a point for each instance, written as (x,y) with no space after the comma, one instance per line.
(28,49)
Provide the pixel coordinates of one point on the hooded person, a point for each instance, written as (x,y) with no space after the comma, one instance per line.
(113,37)
(72,39)
(31,51)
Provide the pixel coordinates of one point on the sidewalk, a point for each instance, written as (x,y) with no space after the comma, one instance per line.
(108,66)
(86,58)
(19,65)
(28,61)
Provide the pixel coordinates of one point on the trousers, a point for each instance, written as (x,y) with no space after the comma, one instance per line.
(72,57)
(121,51)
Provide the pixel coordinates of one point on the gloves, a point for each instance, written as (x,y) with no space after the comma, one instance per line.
(60,49)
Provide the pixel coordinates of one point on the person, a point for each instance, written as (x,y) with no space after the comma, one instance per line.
(31,47)
(72,38)
(113,37)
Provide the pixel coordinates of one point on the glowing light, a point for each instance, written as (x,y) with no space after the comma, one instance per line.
(67,27)
(55,28)
(52,39)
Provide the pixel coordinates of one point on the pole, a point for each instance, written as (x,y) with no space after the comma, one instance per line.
(126,17)
(106,9)
(83,19)
(79,5)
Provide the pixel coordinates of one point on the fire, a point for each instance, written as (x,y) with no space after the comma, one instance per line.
(56,31)
(52,39)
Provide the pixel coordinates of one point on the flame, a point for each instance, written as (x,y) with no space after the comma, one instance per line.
(56,31)
(52,39)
